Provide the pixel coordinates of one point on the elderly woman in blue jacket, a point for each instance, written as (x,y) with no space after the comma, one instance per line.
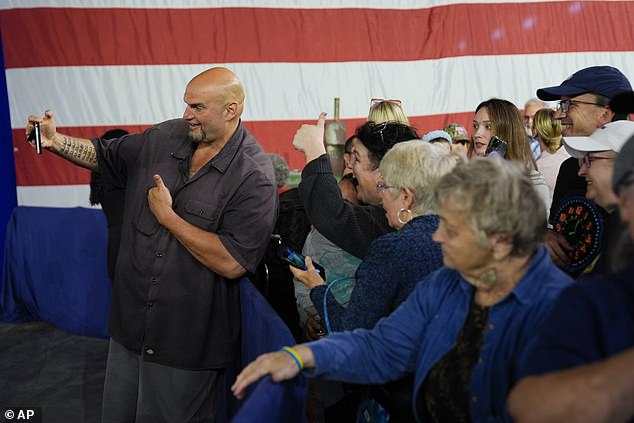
(463,330)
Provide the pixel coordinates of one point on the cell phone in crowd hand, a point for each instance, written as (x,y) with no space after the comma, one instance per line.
(496,148)
(294,258)
(37,136)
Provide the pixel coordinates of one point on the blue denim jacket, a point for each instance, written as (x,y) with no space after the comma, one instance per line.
(425,327)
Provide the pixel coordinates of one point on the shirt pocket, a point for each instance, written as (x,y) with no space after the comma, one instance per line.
(146,222)
(201,214)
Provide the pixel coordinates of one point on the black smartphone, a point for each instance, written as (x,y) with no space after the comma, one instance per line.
(294,258)
(37,136)
(496,148)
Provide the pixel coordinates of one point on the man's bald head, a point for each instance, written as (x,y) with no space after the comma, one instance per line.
(222,82)
(215,102)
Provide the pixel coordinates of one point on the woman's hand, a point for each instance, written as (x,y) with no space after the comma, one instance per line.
(310,139)
(280,365)
(308,277)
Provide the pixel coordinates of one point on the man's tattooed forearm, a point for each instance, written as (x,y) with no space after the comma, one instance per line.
(78,150)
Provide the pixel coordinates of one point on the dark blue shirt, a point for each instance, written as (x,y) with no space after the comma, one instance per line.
(388,274)
(592,320)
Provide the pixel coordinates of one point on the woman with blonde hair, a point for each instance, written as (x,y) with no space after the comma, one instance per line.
(548,131)
(382,110)
(500,118)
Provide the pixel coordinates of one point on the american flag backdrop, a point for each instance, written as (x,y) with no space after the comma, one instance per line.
(100,64)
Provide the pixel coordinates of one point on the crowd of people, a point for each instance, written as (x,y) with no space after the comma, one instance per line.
(447,277)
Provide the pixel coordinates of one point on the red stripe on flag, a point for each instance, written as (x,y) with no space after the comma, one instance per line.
(273,136)
(229,35)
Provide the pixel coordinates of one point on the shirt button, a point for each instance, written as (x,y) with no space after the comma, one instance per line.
(153,280)
(150,304)
(201,212)
(149,351)
(491,326)
(159,255)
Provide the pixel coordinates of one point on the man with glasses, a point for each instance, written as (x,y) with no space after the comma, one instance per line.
(581,366)
(583,107)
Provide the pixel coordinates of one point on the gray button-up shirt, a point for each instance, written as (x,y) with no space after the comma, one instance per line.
(165,303)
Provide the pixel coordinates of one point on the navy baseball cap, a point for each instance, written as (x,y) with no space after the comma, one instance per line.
(623,103)
(604,80)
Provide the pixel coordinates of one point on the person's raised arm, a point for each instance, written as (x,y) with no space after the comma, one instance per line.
(310,139)
(599,392)
(79,151)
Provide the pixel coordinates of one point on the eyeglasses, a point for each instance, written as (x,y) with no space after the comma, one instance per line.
(381,186)
(587,160)
(384,100)
(565,105)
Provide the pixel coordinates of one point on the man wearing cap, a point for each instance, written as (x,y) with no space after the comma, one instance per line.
(581,365)
(583,107)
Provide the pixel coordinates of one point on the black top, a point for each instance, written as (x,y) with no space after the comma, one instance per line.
(568,184)
(111,200)
(164,301)
(352,228)
(446,388)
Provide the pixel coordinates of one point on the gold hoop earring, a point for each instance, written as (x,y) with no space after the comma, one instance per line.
(408,213)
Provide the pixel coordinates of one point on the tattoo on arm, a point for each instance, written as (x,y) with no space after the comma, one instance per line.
(78,151)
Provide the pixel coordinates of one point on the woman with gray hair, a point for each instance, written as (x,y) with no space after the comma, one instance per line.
(464,329)
(398,260)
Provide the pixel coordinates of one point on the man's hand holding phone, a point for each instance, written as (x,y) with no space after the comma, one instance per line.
(40,131)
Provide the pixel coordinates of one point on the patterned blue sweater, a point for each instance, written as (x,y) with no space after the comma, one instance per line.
(395,263)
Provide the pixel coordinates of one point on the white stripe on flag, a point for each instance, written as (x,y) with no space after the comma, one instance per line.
(139,95)
(55,196)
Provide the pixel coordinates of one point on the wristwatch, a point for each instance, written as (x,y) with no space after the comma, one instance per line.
(580,222)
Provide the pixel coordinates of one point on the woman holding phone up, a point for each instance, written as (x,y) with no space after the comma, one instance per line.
(500,118)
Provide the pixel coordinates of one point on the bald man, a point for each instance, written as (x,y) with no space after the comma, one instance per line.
(200,206)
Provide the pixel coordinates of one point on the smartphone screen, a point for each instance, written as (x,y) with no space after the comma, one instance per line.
(295,259)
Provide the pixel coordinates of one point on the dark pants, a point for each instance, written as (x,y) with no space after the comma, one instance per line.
(139,391)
